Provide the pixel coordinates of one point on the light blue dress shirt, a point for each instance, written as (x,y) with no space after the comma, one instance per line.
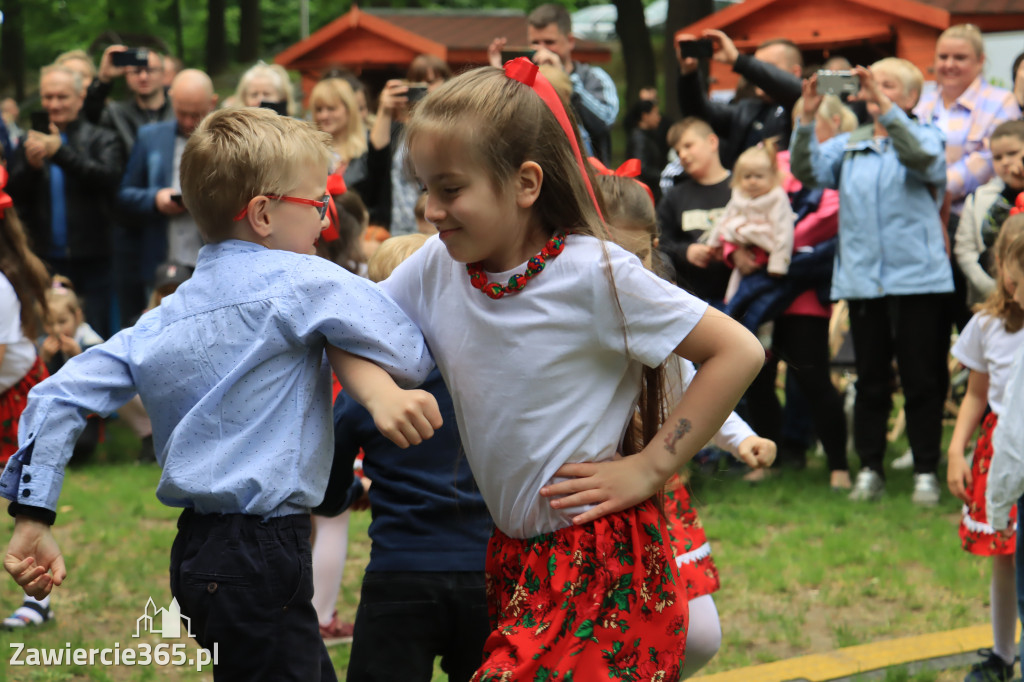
(233,373)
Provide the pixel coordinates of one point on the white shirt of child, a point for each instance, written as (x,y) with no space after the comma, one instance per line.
(985,346)
(20,353)
(546,376)
(679,372)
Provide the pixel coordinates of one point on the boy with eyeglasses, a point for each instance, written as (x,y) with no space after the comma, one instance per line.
(232,371)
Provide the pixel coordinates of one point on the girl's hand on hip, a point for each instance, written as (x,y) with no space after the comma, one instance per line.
(610,486)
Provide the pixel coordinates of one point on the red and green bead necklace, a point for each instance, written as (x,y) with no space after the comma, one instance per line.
(516,282)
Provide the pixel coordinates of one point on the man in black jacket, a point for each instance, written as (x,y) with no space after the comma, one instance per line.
(774,71)
(148,103)
(63,185)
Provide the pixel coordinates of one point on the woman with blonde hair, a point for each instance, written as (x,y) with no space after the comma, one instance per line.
(266,84)
(967,109)
(336,112)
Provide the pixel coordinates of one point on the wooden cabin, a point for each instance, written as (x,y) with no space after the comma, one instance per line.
(377,44)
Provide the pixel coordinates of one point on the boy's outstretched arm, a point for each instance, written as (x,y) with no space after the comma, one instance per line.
(404,417)
(33,558)
(729,357)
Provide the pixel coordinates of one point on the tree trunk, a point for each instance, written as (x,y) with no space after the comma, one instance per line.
(179,29)
(637,53)
(680,14)
(216,37)
(249,30)
(12,47)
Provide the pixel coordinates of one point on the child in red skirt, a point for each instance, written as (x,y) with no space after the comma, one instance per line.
(987,347)
(23,285)
(629,212)
(545,374)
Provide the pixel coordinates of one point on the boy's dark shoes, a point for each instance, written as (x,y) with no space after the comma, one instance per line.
(992,669)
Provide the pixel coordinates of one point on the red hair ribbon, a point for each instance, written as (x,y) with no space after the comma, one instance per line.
(1018,205)
(335,185)
(629,169)
(6,201)
(527,73)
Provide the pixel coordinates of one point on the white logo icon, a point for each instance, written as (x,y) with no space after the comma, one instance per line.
(163,622)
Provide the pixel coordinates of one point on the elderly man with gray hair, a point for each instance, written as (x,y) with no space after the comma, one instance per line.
(63,182)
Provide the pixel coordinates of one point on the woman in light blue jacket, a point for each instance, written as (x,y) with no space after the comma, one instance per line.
(892,264)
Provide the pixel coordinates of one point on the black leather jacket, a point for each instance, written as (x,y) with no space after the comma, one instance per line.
(92,160)
(733,122)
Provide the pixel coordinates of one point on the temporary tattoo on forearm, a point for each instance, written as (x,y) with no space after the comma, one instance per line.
(683,427)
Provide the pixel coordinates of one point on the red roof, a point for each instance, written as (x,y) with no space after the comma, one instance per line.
(375,38)
(978,6)
(459,30)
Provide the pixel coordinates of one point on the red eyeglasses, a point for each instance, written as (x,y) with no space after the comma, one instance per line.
(320,204)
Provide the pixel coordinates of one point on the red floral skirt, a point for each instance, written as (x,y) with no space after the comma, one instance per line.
(697,570)
(593,602)
(12,404)
(976,533)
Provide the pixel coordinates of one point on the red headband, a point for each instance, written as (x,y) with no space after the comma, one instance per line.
(527,73)
(1018,207)
(6,201)
(629,169)
(335,185)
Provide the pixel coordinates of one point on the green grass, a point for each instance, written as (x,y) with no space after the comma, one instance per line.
(803,569)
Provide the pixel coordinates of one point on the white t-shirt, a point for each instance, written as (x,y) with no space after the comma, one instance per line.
(20,353)
(985,346)
(542,377)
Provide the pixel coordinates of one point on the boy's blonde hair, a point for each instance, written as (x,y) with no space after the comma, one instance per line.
(968,33)
(338,92)
(391,253)
(240,153)
(905,72)
(276,74)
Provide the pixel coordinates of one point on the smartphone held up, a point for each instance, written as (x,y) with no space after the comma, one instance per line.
(133,56)
(701,48)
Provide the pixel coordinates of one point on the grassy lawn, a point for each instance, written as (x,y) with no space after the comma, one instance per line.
(803,570)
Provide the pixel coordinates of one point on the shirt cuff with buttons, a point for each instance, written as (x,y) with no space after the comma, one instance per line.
(28,486)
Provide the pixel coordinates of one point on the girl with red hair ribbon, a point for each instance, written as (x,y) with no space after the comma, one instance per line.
(542,330)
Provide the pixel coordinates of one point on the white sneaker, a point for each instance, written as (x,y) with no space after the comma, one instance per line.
(926,490)
(868,486)
(904,461)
